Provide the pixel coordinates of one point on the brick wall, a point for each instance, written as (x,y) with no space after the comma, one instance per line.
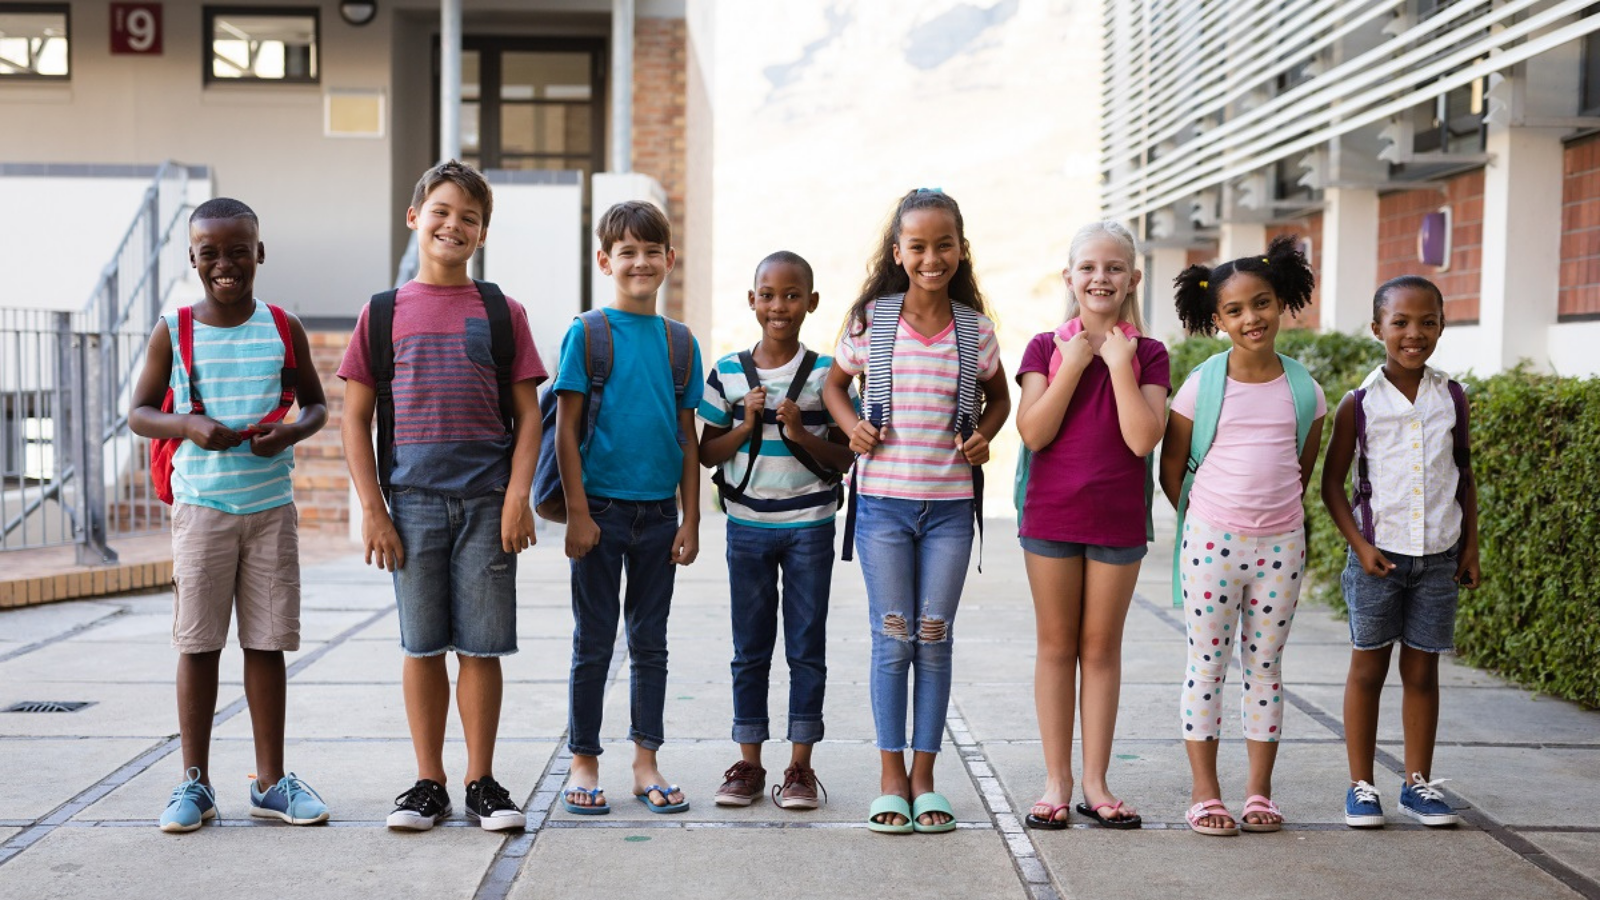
(321,482)
(1580,229)
(1309,227)
(660,142)
(1400,217)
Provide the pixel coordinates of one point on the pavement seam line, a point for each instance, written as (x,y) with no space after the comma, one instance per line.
(1531,853)
(63,636)
(1025,860)
(52,820)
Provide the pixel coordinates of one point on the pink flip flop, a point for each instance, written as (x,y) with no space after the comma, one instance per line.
(1207,808)
(1259,804)
(1048,822)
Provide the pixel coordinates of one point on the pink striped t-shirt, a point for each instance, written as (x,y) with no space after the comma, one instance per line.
(917,458)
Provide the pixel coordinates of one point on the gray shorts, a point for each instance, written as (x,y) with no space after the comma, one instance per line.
(1111,556)
(221,560)
(1415,603)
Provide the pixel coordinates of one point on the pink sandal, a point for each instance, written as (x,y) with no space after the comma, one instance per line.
(1211,808)
(1049,822)
(1259,805)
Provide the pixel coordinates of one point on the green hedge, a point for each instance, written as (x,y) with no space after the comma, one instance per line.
(1536,451)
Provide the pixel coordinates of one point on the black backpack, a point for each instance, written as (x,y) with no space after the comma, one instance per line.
(832,492)
(380,344)
(549,499)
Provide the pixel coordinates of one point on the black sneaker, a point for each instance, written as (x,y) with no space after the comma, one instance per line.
(420,807)
(491,805)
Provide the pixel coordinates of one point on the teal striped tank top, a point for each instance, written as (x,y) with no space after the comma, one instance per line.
(239,370)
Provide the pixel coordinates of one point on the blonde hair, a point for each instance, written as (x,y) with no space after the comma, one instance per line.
(1132,308)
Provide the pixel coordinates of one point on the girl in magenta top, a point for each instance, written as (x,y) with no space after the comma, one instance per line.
(1094,394)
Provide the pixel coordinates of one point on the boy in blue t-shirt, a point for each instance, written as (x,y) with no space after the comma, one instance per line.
(779,481)
(621,509)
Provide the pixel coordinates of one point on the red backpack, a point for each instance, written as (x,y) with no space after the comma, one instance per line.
(162,450)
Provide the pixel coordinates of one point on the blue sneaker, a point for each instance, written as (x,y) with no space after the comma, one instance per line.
(291,800)
(1361,806)
(1422,800)
(190,804)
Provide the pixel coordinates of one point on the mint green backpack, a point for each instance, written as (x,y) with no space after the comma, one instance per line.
(1213,375)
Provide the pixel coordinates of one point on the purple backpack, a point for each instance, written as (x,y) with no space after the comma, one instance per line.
(1361,502)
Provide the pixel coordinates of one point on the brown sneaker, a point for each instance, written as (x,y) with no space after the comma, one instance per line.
(799,790)
(741,784)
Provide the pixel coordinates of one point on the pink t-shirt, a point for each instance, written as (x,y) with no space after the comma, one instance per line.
(1250,479)
(1086,486)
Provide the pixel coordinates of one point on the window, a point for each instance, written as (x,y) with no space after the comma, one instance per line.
(33,42)
(271,45)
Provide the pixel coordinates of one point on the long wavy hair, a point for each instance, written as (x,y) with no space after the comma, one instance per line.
(885,276)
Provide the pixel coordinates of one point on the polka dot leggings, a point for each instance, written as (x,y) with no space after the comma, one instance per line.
(1239,590)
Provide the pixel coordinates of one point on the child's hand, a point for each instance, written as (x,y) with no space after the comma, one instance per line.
(863,437)
(755,403)
(269,439)
(975,448)
(686,543)
(583,535)
(1373,562)
(209,434)
(1075,353)
(1467,573)
(1118,349)
(789,419)
(516,526)
(382,541)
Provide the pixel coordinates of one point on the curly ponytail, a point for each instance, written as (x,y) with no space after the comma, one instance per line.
(1284,267)
(1195,295)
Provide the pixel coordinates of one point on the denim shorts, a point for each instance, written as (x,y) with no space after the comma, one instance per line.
(457,586)
(1111,556)
(1415,603)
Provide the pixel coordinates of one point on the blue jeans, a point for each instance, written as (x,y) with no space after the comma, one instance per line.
(914,556)
(1415,603)
(458,587)
(635,536)
(755,556)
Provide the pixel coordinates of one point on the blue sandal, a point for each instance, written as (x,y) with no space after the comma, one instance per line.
(932,802)
(593,809)
(644,797)
(889,803)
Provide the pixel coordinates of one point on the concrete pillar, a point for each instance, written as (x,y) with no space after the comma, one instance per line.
(1161,266)
(1521,247)
(621,86)
(1349,258)
(1241,239)
(449,79)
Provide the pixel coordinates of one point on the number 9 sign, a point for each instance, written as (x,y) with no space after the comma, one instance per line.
(136,28)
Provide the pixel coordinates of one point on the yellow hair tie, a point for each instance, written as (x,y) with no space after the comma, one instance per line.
(1265,260)
(1205,284)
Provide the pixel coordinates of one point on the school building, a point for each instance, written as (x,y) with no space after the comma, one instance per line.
(1455,140)
(320,115)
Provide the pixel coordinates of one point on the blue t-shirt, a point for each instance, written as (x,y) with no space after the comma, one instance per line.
(634,453)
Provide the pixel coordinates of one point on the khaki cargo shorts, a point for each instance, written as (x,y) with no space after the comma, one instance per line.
(219,559)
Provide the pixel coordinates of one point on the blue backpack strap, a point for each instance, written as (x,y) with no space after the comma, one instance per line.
(877,384)
(1303,389)
(1213,375)
(597,356)
(1361,499)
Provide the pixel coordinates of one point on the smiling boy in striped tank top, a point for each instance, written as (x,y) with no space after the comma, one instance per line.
(234,524)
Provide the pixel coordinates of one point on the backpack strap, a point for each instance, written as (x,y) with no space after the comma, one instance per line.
(1361,500)
(1303,390)
(380,353)
(680,356)
(830,478)
(1213,375)
(502,346)
(969,399)
(877,381)
(752,380)
(287,379)
(802,375)
(197,406)
(1461,441)
(597,356)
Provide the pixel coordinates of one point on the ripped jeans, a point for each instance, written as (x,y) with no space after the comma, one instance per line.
(914,556)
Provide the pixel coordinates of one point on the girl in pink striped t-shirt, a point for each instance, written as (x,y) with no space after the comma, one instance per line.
(915,477)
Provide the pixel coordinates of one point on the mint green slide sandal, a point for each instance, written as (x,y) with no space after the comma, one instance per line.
(934,802)
(890,803)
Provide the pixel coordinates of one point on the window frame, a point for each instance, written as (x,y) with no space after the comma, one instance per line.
(208,17)
(65,11)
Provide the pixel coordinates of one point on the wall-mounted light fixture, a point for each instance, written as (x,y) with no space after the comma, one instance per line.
(1433,239)
(358,12)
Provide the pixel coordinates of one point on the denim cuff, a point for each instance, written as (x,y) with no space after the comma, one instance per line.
(752,732)
(648,743)
(802,731)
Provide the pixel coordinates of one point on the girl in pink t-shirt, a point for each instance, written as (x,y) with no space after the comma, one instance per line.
(1242,549)
(1094,397)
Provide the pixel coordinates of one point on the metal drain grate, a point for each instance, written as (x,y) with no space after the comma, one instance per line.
(47,706)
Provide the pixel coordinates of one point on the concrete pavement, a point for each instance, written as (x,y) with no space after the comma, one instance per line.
(80,792)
